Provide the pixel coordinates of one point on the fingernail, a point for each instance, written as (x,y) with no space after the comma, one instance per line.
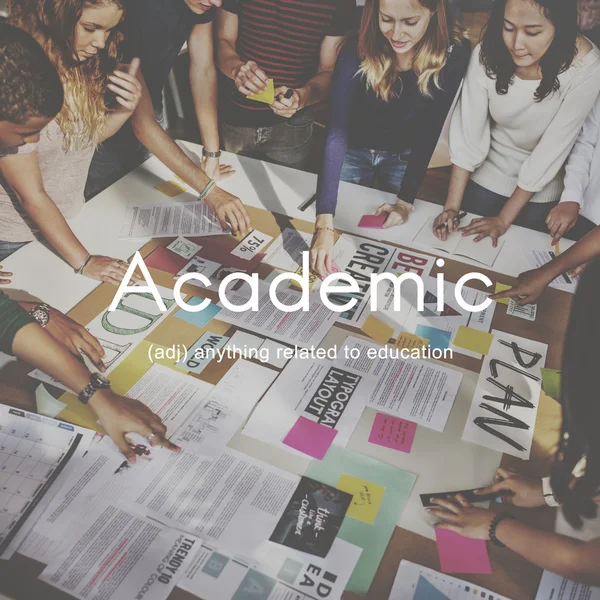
(131,459)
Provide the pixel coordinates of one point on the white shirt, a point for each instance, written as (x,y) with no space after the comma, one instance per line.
(511,140)
(582,178)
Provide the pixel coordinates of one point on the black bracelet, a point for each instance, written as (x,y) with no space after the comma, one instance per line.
(494,524)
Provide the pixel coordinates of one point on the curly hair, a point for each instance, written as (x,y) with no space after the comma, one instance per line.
(30,84)
(581,409)
(498,62)
(52,23)
(378,59)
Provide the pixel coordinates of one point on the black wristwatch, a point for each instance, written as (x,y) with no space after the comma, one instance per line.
(97,382)
(41,313)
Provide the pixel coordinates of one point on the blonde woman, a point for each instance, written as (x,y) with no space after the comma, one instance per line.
(41,184)
(392,89)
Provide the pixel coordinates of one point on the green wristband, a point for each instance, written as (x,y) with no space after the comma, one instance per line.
(209,186)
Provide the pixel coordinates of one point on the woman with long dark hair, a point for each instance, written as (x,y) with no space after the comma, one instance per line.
(530,85)
(392,90)
(574,483)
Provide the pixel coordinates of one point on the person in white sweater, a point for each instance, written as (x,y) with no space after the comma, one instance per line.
(529,87)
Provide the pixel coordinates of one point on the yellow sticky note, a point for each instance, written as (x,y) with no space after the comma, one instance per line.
(267,96)
(366,498)
(500,287)
(410,341)
(377,330)
(312,279)
(473,340)
(170,188)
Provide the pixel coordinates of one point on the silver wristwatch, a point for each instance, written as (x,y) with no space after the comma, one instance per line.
(41,313)
(97,382)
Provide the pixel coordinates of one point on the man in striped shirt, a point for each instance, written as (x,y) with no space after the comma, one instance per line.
(293,42)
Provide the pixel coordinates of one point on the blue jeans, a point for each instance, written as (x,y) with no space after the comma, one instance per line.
(481,201)
(7,248)
(375,168)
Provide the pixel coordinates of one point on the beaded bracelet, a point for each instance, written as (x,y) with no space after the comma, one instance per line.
(494,524)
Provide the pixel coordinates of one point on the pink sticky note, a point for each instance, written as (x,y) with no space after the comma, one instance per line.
(334,269)
(459,554)
(310,437)
(392,432)
(372,221)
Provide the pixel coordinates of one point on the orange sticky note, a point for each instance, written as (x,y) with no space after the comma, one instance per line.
(410,341)
(267,95)
(474,340)
(377,330)
(500,287)
(170,188)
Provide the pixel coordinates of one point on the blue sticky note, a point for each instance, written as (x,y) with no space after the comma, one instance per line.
(201,318)
(439,339)
(427,591)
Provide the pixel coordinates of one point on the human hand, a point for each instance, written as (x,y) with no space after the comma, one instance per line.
(75,337)
(530,285)
(321,252)
(483,227)
(250,79)
(104,268)
(4,276)
(449,218)
(287,107)
(120,415)
(561,219)
(397,214)
(526,492)
(126,86)
(213,169)
(463,518)
(230,211)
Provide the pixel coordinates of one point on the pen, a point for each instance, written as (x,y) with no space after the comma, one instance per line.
(457,218)
(288,94)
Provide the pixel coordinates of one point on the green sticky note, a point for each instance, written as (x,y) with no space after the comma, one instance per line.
(372,538)
(551,382)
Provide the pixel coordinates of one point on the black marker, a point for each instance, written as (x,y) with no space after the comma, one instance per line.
(457,218)
(289,93)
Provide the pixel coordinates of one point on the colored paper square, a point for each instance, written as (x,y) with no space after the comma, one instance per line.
(267,95)
(474,340)
(254,586)
(165,260)
(459,554)
(201,318)
(410,341)
(551,382)
(377,329)
(500,287)
(439,339)
(215,564)
(393,432)
(372,221)
(170,188)
(366,497)
(310,437)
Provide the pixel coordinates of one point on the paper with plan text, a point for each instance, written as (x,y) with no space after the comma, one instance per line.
(187,219)
(412,389)
(119,554)
(557,587)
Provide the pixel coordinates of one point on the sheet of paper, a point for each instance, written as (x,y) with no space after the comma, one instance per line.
(141,559)
(527,312)
(459,554)
(286,250)
(372,538)
(414,582)
(501,287)
(551,382)
(267,95)
(366,497)
(505,404)
(298,328)
(412,389)
(439,339)
(171,395)
(188,219)
(34,450)
(199,265)
(243,342)
(251,245)
(208,429)
(215,575)
(233,501)
(473,339)
(372,221)
(538,257)
(184,247)
(201,318)
(392,432)
(310,437)
(317,390)
(556,587)
(377,329)
(275,353)
(202,353)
